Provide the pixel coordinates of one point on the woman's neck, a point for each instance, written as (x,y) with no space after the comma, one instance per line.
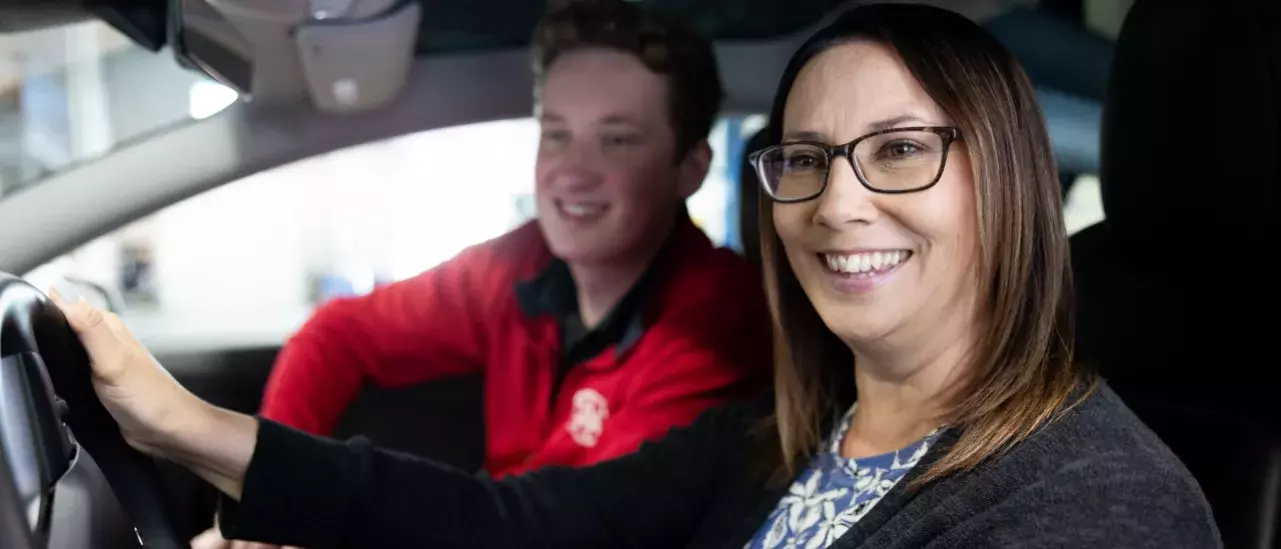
(902,390)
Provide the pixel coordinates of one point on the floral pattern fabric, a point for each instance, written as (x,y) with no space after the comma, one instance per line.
(834,493)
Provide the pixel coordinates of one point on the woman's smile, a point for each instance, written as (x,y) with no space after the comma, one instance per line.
(862,271)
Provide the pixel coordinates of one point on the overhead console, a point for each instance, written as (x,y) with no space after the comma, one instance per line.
(342,55)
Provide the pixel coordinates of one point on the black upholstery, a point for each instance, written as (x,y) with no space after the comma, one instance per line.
(1179,293)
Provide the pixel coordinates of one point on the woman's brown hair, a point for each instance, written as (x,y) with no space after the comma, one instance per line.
(1022,373)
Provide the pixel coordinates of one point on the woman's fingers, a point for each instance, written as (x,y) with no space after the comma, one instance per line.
(109,344)
(156,415)
(138,393)
(90,324)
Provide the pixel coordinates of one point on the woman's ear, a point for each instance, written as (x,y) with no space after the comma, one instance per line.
(693,169)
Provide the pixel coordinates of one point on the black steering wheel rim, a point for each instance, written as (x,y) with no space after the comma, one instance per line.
(45,365)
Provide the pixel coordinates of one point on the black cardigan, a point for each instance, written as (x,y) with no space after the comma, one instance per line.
(1094,478)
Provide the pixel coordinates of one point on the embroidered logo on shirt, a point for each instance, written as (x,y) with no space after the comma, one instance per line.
(587,420)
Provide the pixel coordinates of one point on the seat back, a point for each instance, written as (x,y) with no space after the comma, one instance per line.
(1179,300)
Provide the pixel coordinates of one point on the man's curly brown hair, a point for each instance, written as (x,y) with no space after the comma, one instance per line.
(665,45)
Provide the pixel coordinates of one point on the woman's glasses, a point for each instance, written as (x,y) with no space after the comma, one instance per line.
(893,161)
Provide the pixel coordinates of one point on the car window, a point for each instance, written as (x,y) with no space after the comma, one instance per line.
(73,93)
(250,260)
(1083,205)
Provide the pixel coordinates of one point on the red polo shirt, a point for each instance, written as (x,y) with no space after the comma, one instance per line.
(702,337)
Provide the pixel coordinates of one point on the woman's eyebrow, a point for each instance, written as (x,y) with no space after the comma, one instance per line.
(894,122)
(884,124)
(803,136)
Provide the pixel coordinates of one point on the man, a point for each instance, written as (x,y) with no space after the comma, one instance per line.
(609,320)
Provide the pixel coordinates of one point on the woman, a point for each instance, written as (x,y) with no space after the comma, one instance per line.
(917,266)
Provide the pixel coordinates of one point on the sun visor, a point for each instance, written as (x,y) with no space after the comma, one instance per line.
(343,55)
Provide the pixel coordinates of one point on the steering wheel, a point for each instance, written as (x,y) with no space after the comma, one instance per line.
(46,397)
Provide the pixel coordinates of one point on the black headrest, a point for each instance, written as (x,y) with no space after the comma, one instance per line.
(1191,138)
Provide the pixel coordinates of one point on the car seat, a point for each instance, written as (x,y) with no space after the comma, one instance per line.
(1178,293)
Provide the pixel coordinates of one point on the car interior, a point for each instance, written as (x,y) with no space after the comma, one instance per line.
(1174,106)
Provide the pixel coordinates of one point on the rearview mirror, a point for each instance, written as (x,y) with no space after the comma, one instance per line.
(343,55)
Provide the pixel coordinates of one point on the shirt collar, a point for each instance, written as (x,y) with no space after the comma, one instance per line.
(552,292)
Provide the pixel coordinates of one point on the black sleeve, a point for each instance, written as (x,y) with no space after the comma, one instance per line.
(312,492)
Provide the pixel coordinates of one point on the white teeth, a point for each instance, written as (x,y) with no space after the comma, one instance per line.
(581,210)
(865,263)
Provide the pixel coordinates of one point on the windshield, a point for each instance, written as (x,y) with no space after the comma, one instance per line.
(72,93)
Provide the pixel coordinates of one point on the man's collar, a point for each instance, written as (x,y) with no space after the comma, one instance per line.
(552,292)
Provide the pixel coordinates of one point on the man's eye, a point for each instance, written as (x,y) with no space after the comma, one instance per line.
(555,136)
(619,140)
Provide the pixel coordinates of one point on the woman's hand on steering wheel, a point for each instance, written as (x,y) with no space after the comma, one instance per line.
(148,404)
(156,415)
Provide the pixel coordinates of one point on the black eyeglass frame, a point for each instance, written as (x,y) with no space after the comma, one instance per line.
(949,134)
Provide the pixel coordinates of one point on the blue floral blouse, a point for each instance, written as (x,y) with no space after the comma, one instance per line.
(834,493)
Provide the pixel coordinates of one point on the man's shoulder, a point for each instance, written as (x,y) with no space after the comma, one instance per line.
(506,259)
(522,247)
(714,274)
(525,242)
(717,291)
